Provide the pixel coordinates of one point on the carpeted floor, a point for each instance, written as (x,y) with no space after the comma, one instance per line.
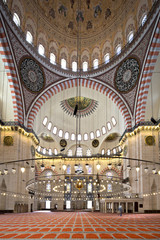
(79,225)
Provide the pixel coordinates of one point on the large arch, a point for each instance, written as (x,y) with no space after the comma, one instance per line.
(84,83)
(147,75)
(12,76)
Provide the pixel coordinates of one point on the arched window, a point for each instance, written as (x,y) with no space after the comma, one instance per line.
(109,187)
(109,175)
(68,169)
(45,121)
(98,133)
(85,137)
(79,151)
(73,136)
(144,19)
(102,151)
(79,137)
(89,188)
(74,66)
(16,19)
(109,126)
(66,135)
(89,169)
(114,151)
(29,37)
(50,151)
(95,63)
(55,151)
(130,37)
(54,130)
(68,188)
(85,66)
(114,121)
(63,63)
(60,134)
(91,135)
(88,153)
(39,148)
(52,58)
(44,150)
(48,187)
(69,153)
(108,152)
(104,130)
(106,58)
(41,49)
(118,49)
(49,126)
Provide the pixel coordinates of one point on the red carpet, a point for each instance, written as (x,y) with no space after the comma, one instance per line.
(79,225)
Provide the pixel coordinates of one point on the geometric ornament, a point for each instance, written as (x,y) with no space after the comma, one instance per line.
(31,75)
(150,140)
(86,106)
(95,143)
(127,75)
(8,141)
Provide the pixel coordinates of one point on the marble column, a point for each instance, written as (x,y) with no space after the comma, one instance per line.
(112,207)
(126,207)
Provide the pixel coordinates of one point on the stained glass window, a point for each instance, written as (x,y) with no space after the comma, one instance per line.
(68,188)
(109,187)
(48,187)
(89,188)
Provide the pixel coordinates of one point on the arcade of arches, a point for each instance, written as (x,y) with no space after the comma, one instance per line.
(80,113)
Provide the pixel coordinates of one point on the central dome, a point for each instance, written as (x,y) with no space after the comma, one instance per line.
(94,16)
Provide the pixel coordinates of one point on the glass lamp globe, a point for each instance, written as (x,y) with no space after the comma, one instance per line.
(129,167)
(22,169)
(53,167)
(110,165)
(42,167)
(32,168)
(6,171)
(13,170)
(137,168)
(146,169)
(98,166)
(154,170)
(64,167)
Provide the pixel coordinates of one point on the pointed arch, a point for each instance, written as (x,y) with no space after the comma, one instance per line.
(12,76)
(147,76)
(73,83)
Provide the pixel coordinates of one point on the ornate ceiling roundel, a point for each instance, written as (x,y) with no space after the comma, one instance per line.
(32,75)
(86,106)
(127,75)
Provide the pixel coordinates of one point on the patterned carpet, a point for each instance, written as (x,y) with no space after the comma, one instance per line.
(79,225)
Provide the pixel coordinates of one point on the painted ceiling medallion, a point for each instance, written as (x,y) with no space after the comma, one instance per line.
(31,75)
(8,141)
(63,143)
(127,75)
(95,143)
(86,106)
(150,140)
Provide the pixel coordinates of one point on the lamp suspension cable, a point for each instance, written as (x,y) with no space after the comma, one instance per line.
(78,89)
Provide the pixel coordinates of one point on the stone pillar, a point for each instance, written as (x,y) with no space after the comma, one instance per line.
(133,206)
(126,207)
(112,207)
(105,207)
